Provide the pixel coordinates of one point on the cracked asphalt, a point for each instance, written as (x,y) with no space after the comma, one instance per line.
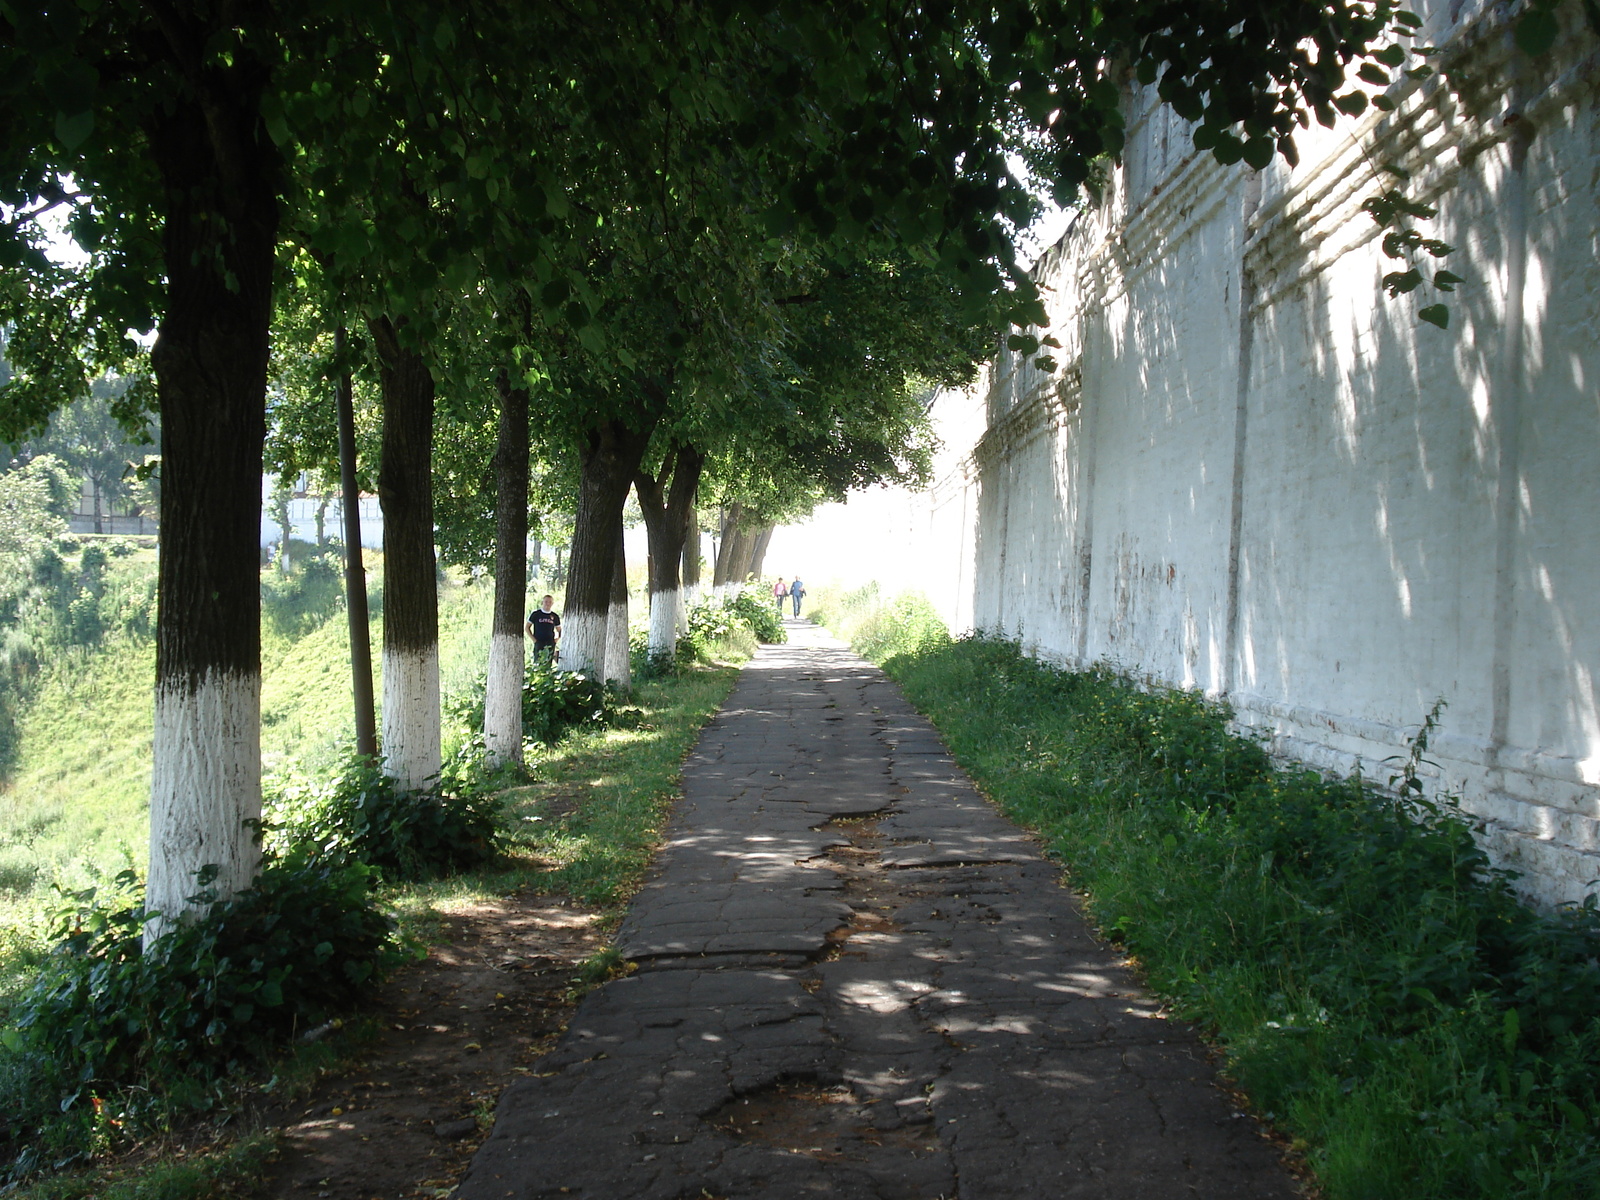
(857,980)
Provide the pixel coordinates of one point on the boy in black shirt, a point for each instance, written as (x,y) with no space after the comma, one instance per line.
(544,627)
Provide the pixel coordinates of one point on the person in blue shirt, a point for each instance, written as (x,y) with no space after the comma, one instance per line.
(796,591)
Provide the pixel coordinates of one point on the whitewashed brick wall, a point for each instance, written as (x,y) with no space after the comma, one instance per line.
(1256,475)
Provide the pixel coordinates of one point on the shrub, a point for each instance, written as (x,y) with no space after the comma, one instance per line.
(111,1024)
(759,612)
(554,702)
(357,815)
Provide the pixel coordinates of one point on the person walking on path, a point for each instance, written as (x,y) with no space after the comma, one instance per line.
(779,591)
(855,979)
(544,627)
(797,590)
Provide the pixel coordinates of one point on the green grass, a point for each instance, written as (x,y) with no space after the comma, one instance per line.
(1380,994)
(233,1171)
(588,823)
(584,823)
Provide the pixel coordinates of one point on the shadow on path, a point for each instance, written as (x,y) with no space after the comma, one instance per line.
(857,980)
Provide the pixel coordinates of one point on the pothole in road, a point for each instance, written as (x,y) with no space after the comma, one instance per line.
(826,1123)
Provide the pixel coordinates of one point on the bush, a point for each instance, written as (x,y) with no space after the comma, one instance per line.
(113,1032)
(357,815)
(759,613)
(554,702)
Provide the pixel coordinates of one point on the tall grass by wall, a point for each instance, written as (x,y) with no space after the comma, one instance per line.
(1381,994)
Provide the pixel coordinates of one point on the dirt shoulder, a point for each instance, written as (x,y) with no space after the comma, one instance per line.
(402,1123)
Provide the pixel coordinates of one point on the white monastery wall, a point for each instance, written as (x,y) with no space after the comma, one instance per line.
(1255,474)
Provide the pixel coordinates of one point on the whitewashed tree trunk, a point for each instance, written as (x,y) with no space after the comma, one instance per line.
(502,705)
(411,715)
(619,669)
(220,226)
(583,642)
(205,784)
(410,591)
(665,610)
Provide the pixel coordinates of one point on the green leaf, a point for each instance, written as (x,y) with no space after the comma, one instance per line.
(1351,104)
(72,131)
(1373,74)
(271,994)
(1435,314)
(555,293)
(1536,32)
(1397,283)
(1391,55)
(1446,281)
(1022,343)
(1258,152)
(1228,149)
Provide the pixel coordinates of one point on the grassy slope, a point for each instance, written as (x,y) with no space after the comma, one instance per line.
(77,811)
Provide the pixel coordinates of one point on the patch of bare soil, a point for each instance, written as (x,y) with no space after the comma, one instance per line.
(459,1027)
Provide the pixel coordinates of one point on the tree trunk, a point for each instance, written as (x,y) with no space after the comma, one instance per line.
(691,569)
(322,520)
(758,552)
(94,488)
(534,559)
(502,703)
(559,576)
(619,670)
(220,176)
(667,502)
(721,569)
(608,457)
(410,591)
(355,574)
(280,508)
(691,551)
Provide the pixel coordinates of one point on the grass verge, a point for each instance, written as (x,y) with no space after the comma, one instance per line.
(585,825)
(1380,993)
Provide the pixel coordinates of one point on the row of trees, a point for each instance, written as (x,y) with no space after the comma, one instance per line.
(684,239)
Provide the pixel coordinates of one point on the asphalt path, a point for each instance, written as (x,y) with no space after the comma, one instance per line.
(857,980)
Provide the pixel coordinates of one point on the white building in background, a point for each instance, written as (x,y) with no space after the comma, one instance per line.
(1256,475)
(303,517)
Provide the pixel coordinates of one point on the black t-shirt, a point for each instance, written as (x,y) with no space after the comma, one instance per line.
(544,625)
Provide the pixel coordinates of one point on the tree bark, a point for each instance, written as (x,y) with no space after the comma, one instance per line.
(608,456)
(502,706)
(691,551)
(690,570)
(280,508)
(667,502)
(721,569)
(220,175)
(355,573)
(410,589)
(758,552)
(619,668)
